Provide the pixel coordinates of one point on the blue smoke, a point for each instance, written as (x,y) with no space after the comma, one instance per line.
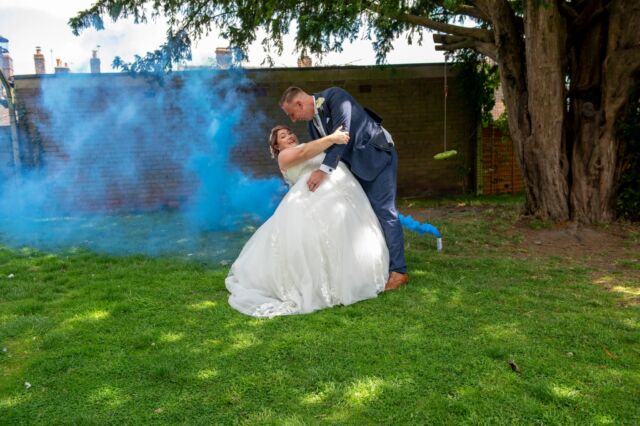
(140,171)
(411,224)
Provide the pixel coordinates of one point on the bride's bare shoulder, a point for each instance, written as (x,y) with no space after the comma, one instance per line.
(286,156)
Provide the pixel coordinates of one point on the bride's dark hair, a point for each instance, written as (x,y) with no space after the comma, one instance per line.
(273,139)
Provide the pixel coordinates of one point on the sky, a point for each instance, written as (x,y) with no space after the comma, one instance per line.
(30,23)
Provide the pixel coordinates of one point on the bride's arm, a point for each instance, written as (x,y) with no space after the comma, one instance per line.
(293,156)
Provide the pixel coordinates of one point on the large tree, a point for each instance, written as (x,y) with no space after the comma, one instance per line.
(567,68)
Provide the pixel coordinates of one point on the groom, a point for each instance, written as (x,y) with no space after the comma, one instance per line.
(370,155)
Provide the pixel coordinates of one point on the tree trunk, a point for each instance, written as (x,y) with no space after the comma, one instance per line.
(532,80)
(604,59)
(570,158)
(588,150)
(566,70)
(621,72)
(512,65)
(545,163)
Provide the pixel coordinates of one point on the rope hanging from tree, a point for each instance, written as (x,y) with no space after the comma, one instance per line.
(445,154)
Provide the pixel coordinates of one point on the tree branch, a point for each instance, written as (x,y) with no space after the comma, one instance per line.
(453,42)
(194,15)
(466,9)
(477,33)
(448,39)
(472,11)
(422,21)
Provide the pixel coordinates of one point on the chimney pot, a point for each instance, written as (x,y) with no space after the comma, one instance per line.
(60,69)
(304,61)
(223,57)
(94,62)
(38,60)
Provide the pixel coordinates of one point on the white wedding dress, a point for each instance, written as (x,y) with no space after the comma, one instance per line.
(319,249)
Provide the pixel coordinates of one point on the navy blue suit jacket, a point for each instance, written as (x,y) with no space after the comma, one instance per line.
(368,151)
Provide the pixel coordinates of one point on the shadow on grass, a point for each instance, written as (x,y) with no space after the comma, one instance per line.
(115,340)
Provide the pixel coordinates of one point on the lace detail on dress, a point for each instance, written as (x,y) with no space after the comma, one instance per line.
(283,281)
(328,294)
(270,310)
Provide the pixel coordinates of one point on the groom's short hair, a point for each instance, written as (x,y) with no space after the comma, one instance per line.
(290,94)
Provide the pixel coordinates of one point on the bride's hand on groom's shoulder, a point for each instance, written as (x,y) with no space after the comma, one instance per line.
(340,136)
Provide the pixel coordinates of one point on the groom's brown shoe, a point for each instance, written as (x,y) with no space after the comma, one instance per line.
(396,279)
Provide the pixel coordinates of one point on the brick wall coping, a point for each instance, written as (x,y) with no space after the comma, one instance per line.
(338,74)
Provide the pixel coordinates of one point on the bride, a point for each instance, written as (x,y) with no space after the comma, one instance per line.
(319,249)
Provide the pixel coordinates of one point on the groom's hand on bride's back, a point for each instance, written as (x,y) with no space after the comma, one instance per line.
(340,136)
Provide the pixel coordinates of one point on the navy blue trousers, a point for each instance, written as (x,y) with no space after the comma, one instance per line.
(382,195)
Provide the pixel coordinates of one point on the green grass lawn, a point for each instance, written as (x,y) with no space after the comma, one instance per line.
(132,340)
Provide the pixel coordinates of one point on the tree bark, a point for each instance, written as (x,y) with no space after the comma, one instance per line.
(544,154)
(570,158)
(587,52)
(566,73)
(532,79)
(604,57)
(621,72)
(512,67)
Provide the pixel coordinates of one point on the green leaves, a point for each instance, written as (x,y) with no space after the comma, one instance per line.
(175,50)
(480,80)
(322,26)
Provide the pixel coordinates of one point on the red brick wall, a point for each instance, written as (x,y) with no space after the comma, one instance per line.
(409,98)
(500,170)
(159,181)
